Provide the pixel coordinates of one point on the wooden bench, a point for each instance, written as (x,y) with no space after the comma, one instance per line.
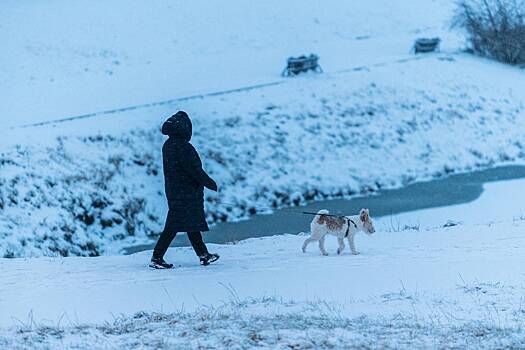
(302,64)
(426,45)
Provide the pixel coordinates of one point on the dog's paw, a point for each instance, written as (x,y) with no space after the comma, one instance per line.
(355,253)
(324,254)
(339,251)
(304,250)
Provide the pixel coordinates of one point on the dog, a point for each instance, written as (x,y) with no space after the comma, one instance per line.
(340,226)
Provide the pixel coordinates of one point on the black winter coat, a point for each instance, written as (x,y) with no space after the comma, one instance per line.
(184,178)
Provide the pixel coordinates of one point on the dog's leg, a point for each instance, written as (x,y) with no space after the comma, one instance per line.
(341,242)
(321,245)
(352,245)
(306,242)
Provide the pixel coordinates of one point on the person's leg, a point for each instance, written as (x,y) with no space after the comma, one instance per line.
(163,243)
(196,242)
(167,236)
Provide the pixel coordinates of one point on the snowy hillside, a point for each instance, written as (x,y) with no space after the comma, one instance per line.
(80,57)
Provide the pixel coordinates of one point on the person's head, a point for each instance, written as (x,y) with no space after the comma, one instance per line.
(178,126)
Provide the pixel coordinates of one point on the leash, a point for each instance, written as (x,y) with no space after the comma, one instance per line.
(249,206)
(259,209)
(348,220)
(332,215)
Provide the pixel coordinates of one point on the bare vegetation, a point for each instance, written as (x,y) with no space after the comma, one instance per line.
(495,28)
(282,325)
(64,203)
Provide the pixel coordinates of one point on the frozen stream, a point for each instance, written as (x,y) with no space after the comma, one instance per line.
(481,196)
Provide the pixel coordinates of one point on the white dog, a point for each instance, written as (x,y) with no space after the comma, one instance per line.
(340,226)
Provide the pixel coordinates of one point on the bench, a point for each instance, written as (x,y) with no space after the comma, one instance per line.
(302,64)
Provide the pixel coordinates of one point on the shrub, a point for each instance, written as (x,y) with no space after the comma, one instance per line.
(495,28)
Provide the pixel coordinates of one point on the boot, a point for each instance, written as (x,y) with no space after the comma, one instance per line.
(209,258)
(157,263)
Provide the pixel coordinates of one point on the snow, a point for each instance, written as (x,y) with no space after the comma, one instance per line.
(490,207)
(280,325)
(62,59)
(379,117)
(469,276)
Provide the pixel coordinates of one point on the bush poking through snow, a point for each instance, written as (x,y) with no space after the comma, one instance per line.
(265,324)
(76,194)
(495,28)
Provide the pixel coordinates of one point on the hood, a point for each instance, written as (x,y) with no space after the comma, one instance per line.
(178,126)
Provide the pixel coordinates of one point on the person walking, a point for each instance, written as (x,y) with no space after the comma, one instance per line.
(184,182)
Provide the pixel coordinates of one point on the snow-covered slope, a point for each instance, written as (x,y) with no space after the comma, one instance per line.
(67,58)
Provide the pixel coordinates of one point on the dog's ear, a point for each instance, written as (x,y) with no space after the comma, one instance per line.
(363,215)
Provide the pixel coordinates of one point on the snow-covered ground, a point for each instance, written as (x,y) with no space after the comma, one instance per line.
(435,287)
(378,118)
(499,202)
